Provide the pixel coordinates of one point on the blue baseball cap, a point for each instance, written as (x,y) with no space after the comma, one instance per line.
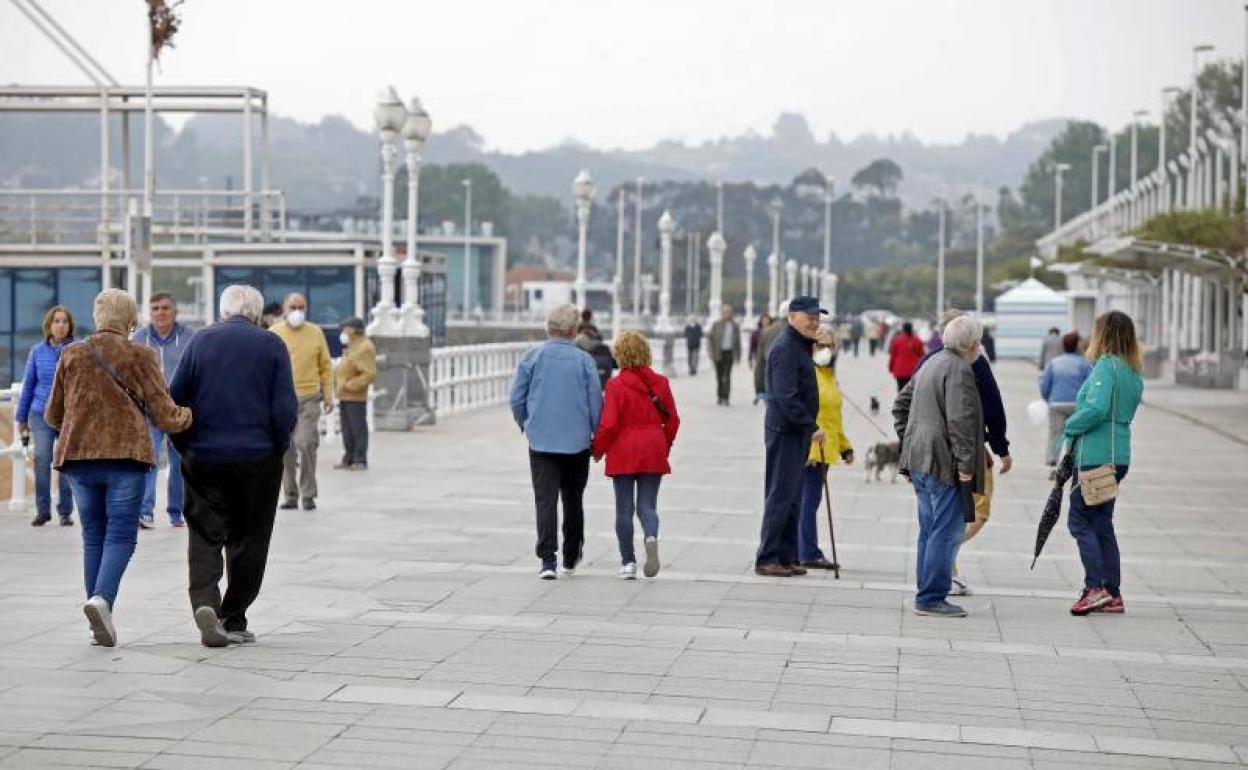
(806,305)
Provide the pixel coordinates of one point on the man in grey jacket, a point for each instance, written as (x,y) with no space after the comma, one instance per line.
(168,338)
(940,422)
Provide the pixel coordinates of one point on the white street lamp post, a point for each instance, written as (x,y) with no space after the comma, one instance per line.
(979,252)
(1058,170)
(719,207)
(1096,172)
(773,283)
(790,275)
(940,259)
(666,226)
(1161,145)
(829,293)
(804,271)
(716,246)
(415,131)
(389,115)
(617,283)
(750,255)
(467,301)
(583,189)
(827,225)
(637,253)
(1195,95)
(1112,173)
(1135,130)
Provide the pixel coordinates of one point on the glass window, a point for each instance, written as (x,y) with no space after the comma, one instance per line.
(76,290)
(331,294)
(34,291)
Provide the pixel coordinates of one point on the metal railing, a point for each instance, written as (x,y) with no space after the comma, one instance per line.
(43,217)
(464,377)
(16,451)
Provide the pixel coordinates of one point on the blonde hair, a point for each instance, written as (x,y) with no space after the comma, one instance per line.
(114,309)
(632,350)
(51,316)
(1114,335)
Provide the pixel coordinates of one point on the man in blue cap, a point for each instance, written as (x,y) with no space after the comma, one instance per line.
(790,427)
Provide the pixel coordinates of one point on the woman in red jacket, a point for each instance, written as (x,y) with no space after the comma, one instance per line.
(638,425)
(904,355)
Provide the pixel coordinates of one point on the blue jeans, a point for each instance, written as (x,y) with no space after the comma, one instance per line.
(174,503)
(109,493)
(941,527)
(635,493)
(808,524)
(45,439)
(1093,529)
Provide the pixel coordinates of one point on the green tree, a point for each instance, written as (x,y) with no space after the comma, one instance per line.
(880,177)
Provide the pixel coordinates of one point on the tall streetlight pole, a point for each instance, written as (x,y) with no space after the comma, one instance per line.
(415,131)
(750,255)
(637,254)
(1097,151)
(583,189)
(467,307)
(666,226)
(1197,50)
(716,245)
(1058,170)
(389,116)
(827,225)
(940,258)
(1111,184)
(774,209)
(1135,126)
(1168,91)
(617,282)
(719,207)
(979,252)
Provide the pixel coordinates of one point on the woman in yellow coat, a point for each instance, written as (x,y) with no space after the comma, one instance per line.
(835,450)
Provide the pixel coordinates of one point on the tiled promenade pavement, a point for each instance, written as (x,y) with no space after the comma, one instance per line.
(403,625)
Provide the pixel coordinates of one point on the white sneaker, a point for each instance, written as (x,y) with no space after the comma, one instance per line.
(627,571)
(959,587)
(651,567)
(101,619)
(211,632)
(548,572)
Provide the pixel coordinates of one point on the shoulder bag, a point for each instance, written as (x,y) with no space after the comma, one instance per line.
(1100,484)
(658,404)
(112,374)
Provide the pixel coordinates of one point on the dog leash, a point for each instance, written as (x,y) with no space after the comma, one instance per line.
(865,416)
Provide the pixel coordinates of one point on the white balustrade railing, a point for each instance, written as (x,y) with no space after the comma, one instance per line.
(16,451)
(464,377)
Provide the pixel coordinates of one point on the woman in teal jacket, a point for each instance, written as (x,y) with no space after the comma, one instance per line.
(1100,433)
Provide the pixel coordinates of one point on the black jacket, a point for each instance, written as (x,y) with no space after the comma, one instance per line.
(990,397)
(792,391)
(693,336)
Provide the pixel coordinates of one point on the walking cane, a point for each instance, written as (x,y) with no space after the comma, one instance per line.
(827,497)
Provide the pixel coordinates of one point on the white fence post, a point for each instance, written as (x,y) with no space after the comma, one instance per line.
(466,377)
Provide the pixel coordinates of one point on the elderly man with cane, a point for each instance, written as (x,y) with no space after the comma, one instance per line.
(789,430)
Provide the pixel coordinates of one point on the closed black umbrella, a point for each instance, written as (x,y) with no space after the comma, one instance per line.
(1053,508)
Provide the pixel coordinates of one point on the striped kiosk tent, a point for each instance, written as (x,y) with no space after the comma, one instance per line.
(1024,314)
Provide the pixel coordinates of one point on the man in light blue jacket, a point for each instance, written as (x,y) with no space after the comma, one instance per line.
(168,338)
(556,400)
(1059,384)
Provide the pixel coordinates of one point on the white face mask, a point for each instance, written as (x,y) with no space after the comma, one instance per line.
(295,318)
(823,356)
(343,338)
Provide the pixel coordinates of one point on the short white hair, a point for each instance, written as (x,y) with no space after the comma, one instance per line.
(563,320)
(962,333)
(239,299)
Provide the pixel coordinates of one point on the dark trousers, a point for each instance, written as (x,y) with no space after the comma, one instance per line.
(723,375)
(354,416)
(786,462)
(556,476)
(854,344)
(693,359)
(230,507)
(1093,529)
(808,527)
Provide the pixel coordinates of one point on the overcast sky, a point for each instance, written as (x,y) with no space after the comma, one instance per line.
(527,75)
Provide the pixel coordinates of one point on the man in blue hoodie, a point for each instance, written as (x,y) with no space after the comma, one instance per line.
(236,379)
(168,338)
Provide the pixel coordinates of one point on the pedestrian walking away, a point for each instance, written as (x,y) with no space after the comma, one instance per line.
(556,401)
(723,346)
(168,338)
(1100,433)
(789,430)
(58,331)
(693,342)
(636,432)
(855,334)
(835,449)
(236,378)
(904,353)
(1059,386)
(765,320)
(356,371)
(589,339)
(313,376)
(105,392)
(940,423)
(1050,347)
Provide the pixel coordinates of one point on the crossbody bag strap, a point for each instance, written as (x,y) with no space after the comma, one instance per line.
(654,399)
(112,374)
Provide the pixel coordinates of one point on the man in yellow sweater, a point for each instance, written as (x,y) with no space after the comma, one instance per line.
(314,380)
(356,370)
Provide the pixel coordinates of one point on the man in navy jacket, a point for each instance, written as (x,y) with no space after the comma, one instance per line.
(236,379)
(790,427)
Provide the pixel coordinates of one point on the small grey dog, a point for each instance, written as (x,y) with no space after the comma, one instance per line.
(881,456)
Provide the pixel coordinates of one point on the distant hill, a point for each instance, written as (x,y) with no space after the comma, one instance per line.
(331,163)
